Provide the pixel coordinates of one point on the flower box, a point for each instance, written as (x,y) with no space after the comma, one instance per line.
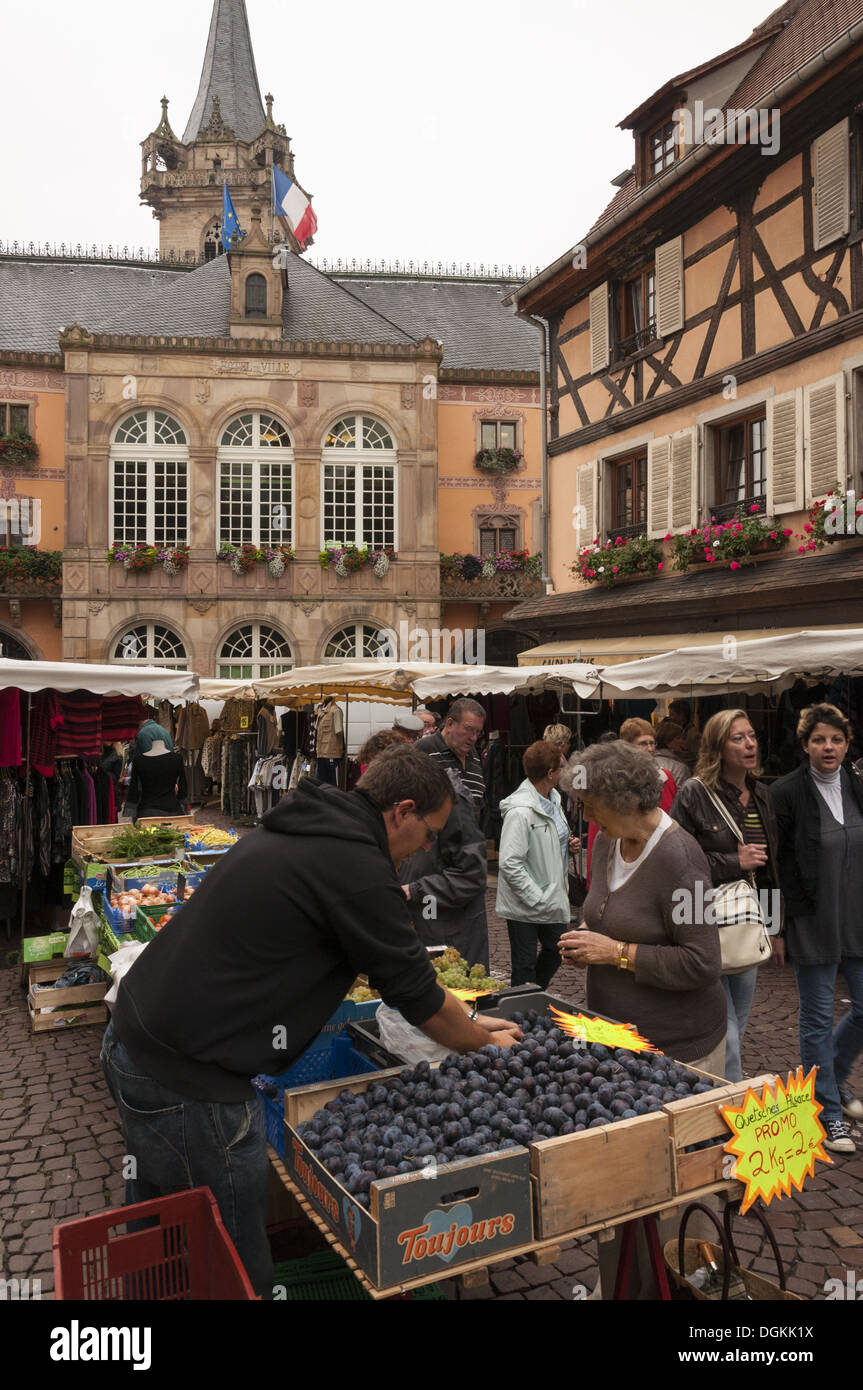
(499,461)
(619,560)
(733,543)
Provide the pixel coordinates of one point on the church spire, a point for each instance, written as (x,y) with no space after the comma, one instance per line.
(229,79)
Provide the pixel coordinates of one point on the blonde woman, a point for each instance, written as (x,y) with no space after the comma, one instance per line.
(561,737)
(728,766)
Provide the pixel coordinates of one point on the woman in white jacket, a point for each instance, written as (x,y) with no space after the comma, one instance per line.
(532,870)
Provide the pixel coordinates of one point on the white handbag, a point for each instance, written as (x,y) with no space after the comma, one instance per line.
(743,937)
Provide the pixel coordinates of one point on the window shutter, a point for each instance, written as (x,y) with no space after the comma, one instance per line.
(600,338)
(785,453)
(830,172)
(587,527)
(658,486)
(824,435)
(669,287)
(683,481)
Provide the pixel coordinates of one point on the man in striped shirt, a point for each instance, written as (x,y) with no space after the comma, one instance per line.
(445,885)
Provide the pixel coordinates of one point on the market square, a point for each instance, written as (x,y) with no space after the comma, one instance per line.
(431,733)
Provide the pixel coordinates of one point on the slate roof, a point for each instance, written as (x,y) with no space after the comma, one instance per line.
(39,298)
(466,316)
(229,73)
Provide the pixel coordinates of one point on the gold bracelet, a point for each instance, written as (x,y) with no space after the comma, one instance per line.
(622,959)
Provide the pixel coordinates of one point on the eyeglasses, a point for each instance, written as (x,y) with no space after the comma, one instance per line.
(431,833)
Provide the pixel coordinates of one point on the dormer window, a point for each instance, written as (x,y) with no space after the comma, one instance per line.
(256,297)
(662,148)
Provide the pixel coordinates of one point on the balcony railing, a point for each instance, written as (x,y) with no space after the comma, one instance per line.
(636,342)
(726,511)
(505,584)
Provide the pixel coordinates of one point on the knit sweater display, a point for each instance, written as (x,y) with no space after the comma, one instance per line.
(674,996)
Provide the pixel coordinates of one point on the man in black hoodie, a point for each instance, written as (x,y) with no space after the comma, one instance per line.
(244,977)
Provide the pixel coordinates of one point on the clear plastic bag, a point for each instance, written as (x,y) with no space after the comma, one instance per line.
(401,1038)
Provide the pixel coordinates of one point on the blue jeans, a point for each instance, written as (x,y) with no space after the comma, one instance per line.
(739,990)
(178,1143)
(832,1052)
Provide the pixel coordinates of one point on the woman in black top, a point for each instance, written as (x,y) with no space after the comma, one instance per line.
(728,766)
(819,813)
(157,786)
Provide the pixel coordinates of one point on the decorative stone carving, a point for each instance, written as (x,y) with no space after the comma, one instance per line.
(309,394)
(309,608)
(307,580)
(254,366)
(409,396)
(201,579)
(74,578)
(96,607)
(97,388)
(41,380)
(360,371)
(7,485)
(308,507)
(202,390)
(409,609)
(216,128)
(76,336)
(15,611)
(203,503)
(202,605)
(149,364)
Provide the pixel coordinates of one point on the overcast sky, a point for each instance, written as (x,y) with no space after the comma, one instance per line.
(465,130)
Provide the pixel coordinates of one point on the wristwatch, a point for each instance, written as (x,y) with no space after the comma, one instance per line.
(474,1014)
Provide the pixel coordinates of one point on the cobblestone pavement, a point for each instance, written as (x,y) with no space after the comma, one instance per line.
(60,1150)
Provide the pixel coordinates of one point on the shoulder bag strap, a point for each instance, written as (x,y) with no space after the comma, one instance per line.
(729,819)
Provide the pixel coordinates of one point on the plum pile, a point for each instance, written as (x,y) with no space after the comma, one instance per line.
(485,1101)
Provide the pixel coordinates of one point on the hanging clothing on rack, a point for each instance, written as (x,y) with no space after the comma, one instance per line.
(80,734)
(10,728)
(267,731)
(45,719)
(193,726)
(121,717)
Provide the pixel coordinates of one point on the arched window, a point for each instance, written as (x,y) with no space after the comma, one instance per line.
(150,644)
(253,652)
(256,297)
(11,649)
(359,494)
(364,640)
(213,240)
(149,480)
(255,462)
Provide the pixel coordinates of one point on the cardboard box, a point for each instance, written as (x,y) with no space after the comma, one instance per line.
(417,1225)
(41,948)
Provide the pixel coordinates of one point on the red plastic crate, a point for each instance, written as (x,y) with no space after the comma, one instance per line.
(188,1255)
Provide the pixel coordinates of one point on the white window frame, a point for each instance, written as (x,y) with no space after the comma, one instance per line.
(359,460)
(256,660)
(149,454)
(358,629)
(150,657)
(256,454)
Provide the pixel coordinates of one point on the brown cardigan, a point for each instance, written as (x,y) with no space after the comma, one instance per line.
(674,998)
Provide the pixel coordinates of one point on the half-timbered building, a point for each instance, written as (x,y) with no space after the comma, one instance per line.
(706,343)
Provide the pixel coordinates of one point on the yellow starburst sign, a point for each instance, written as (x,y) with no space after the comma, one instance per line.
(777,1137)
(599,1030)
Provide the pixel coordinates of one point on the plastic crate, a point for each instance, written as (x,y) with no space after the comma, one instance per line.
(325,1276)
(194,846)
(347,1012)
(336,1063)
(187,1255)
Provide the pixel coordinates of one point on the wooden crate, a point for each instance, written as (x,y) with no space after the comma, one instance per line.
(66,1002)
(697,1119)
(481,1207)
(600,1174)
(90,842)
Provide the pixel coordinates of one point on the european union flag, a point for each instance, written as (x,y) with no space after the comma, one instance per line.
(231,233)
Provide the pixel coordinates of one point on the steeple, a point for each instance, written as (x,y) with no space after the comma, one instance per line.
(229,78)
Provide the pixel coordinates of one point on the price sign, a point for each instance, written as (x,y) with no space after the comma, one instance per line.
(599,1030)
(244,721)
(466,994)
(777,1137)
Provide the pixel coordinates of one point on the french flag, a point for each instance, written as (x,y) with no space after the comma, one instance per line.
(291,202)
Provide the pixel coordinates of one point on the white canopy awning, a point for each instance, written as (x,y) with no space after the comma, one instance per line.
(508,680)
(99,680)
(769,664)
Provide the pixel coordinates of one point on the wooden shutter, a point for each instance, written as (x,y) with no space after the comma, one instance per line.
(785,453)
(600,334)
(831,173)
(658,486)
(669,287)
(824,436)
(684,457)
(587,527)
